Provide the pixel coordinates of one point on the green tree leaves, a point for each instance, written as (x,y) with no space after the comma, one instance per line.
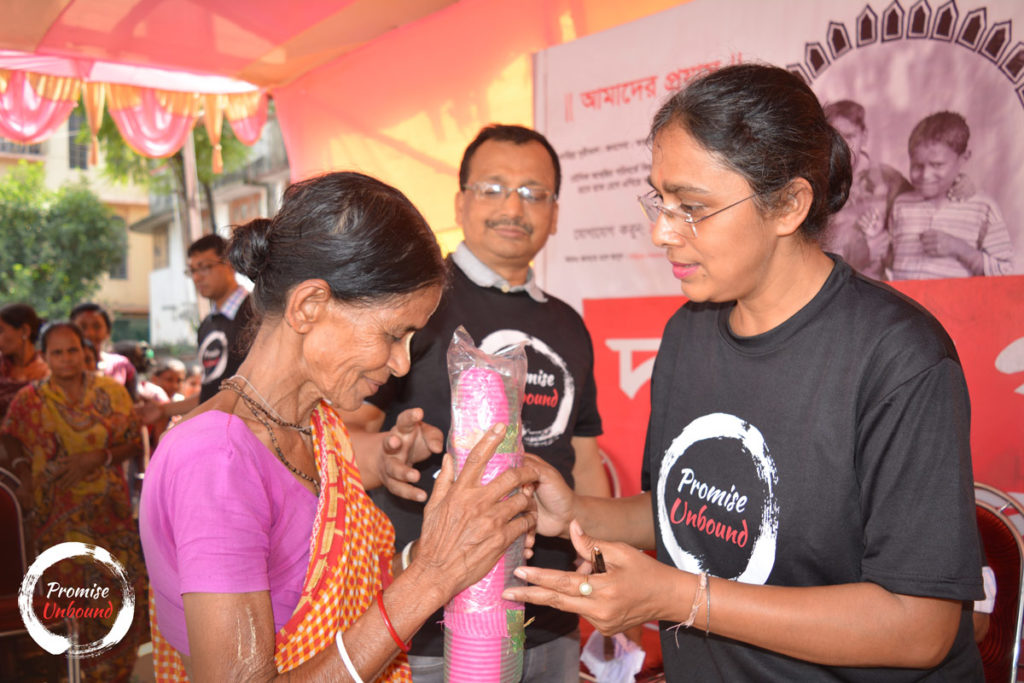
(122,164)
(54,245)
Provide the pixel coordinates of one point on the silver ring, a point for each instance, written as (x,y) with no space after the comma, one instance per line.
(586,588)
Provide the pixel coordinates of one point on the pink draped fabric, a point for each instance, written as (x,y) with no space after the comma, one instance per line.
(247,113)
(33,106)
(154,123)
(38,93)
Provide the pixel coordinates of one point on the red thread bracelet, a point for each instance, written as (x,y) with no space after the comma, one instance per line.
(403,646)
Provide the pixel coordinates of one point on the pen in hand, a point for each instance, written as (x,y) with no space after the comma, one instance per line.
(597,563)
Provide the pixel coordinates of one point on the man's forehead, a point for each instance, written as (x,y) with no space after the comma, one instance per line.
(200,256)
(500,159)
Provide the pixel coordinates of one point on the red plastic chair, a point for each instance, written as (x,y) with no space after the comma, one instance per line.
(1004,552)
(13,565)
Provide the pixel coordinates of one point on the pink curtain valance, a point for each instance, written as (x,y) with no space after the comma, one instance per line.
(247,112)
(155,123)
(33,106)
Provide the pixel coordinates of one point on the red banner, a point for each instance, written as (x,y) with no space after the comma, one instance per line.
(984,316)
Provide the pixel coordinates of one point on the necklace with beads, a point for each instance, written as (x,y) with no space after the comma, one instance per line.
(234,383)
(265,417)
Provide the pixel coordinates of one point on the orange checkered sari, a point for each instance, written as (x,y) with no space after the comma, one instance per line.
(349,561)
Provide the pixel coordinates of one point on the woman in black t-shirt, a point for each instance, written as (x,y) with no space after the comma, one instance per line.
(807,468)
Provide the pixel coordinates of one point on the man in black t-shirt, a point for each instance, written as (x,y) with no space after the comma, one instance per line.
(221,345)
(222,339)
(507,207)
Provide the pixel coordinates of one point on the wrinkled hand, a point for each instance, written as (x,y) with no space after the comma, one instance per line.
(555,499)
(74,468)
(410,441)
(148,411)
(633,589)
(938,243)
(467,526)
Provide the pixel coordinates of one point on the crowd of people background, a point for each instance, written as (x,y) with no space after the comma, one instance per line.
(266,551)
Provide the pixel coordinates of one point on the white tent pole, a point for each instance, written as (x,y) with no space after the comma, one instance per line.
(193,214)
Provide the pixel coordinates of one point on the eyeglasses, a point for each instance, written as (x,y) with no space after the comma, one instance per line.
(653,207)
(496,192)
(202,269)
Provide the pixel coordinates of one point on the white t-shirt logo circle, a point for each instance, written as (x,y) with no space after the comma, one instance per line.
(215,345)
(534,434)
(723,426)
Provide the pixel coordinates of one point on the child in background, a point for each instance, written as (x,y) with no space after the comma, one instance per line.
(92,357)
(169,375)
(193,380)
(934,236)
(859,232)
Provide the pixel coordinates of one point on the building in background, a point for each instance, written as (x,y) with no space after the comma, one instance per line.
(255,190)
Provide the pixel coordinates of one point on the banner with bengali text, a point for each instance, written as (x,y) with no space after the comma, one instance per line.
(899,63)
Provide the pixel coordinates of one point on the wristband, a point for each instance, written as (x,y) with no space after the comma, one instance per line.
(707,614)
(346,660)
(407,555)
(110,457)
(18,461)
(702,584)
(403,646)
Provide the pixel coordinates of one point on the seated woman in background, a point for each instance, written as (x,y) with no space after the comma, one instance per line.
(19,362)
(66,437)
(344,274)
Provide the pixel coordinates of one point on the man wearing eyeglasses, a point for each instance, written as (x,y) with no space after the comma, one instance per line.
(222,344)
(220,349)
(507,208)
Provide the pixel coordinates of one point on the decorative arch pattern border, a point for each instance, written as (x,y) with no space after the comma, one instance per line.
(919,21)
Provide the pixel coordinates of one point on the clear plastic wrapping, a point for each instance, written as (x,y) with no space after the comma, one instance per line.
(484,635)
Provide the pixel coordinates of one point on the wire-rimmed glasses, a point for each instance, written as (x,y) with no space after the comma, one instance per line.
(492,191)
(675,215)
(202,268)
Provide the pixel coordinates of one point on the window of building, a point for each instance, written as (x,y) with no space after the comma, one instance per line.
(78,153)
(120,269)
(8,147)
(243,209)
(161,248)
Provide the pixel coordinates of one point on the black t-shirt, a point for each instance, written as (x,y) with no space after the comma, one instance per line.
(223,345)
(560,403)
(832,449)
